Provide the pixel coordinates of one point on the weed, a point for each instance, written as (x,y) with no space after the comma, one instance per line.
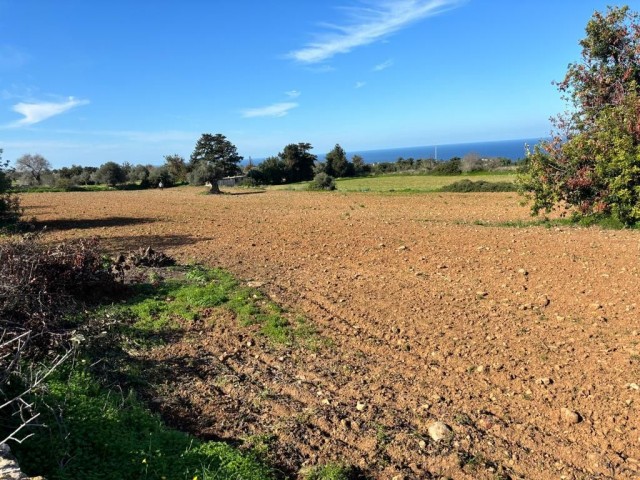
(98,435)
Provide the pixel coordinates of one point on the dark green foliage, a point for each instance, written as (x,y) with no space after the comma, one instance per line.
(161,174)
(450,167)
(467,186)
(592,163)
(9,204)
(176,167)
(111,174)
(336,163)
(272,171)
(298,162)
(323,181)
(359,166)
(213,158)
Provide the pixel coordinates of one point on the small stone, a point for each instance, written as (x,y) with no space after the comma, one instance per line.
(569,416)
(480,368)
(255,284)
(439,431)
(634,386)
(422,444)
(522,271)
(402,247)
(544,381)
(360,406)
(250,343)
(326,401)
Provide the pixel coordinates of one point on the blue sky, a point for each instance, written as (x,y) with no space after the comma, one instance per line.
(88,82)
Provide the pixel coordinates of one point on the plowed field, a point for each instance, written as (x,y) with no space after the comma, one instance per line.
(524,341)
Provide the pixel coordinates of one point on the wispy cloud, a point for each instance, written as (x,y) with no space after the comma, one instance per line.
(36,112)
(275,110)
(292,93)
(383,66)
(368,24)
(360,84)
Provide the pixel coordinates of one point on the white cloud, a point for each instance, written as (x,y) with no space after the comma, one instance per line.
(368,25)
(360,84)
(383,66)
(292,93)
(37,112)
(275,110)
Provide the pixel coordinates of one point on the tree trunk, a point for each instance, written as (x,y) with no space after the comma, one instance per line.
(215,190)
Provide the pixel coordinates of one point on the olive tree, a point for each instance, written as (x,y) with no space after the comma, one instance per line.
(33,167)
(591,165)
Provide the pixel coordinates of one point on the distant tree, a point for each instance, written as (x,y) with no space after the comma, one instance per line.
(5,181)
(176,167)
(359,165)
(471,162)
(33,167)
(161,174)
(139,174)
(111,173)
(336,163)
(9,204)
(213,158)
(591,165)
(272,171)
(298,162)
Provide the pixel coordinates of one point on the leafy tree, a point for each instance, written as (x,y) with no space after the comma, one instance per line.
(336,164)
(272,171)
(111,174)
(213,158)
(298,162)
(9,204)
(176,167)
(33,167)
(161,174)
(139,174)
(591,165)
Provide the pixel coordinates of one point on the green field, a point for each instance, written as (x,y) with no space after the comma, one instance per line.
(401,183)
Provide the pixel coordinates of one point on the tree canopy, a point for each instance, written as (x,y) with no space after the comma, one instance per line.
(591,165)
(32,167)
(213,158)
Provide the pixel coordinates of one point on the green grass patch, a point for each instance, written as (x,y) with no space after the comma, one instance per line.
(96,434)
(330,471)
(164,306)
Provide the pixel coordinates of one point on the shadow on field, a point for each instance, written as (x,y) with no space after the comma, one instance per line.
(79,224)
(158,242)
(248,192)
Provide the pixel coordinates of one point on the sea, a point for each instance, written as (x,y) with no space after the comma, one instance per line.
(511,149)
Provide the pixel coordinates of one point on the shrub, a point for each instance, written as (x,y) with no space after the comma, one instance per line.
(467,186)
(322,181)
(450,167)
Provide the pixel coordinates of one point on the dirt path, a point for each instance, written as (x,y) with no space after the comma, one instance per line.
(428,316)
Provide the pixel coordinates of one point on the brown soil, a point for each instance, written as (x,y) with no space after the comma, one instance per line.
(426,316)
